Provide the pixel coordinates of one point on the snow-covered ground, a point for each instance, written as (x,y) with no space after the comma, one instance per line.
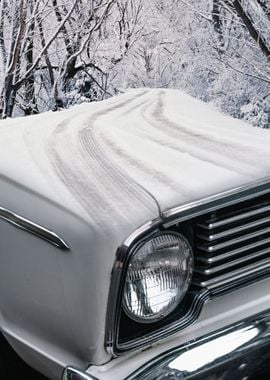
(100,157)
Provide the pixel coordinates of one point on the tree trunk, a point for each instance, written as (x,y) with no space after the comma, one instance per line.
(30,105)
(252,30)
(217,24)
(9,98)
(14,61)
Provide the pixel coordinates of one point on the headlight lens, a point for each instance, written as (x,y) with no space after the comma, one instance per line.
(157,277)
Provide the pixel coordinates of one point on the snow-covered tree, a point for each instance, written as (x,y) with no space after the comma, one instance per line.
(55,53)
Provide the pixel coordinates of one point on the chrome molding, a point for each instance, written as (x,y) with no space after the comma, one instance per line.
(33,228)
(145,228)
(227,198)
(169,218)
(236,352)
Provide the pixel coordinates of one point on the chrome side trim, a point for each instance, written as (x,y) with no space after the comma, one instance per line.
(235,352)
(72,373)
(33,228)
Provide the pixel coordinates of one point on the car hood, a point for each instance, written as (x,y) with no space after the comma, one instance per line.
(140,153)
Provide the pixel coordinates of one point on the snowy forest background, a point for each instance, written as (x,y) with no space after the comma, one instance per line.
(56,53)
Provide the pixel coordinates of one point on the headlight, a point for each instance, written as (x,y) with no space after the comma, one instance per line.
(158,277)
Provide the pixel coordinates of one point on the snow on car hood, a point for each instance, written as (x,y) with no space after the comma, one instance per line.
(135,153)
(181,149)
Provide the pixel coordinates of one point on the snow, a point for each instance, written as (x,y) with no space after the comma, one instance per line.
(116,157)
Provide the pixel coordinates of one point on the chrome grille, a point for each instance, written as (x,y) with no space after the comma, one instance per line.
(232,243)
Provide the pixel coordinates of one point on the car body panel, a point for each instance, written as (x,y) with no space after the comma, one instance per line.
(51,297)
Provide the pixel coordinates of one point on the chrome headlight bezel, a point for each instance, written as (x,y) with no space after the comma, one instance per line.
(120,336)
(183,259)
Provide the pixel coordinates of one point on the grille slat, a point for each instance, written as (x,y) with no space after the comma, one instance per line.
(233,275)
(227,265)
(227,255)
(230,241)
(241,239)
(234,230)
(223,222)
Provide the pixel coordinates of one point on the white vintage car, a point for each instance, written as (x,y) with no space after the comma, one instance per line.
(135,240)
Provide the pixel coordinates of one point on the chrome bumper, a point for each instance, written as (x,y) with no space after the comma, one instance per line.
(241,351)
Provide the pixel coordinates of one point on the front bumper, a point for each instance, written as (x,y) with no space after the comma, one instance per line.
(240,351)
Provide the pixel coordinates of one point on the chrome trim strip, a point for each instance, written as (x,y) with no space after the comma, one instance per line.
(236,275)
(228,243)
(237,351)
(237,218)
(220,200)
(219,257)
(229,264)
(72,373)
(141,231)
(33,228)
(232,231)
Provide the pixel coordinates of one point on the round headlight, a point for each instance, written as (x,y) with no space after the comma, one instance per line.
(157,277)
